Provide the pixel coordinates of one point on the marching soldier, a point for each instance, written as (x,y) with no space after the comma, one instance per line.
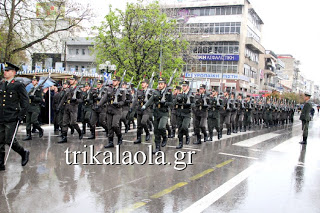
(143,116)
(55,104)
(268,114)
(305,117)
(183,104)
(260,112)
(162,100)
(115,99)
(86,107)
(173,118)
(214,115)
(132,109)
(99,111)
(200,112)
(225,114)
(248,113)
(14,103)
(233,112)
(35,99)
(240,112)
(70,101)
(126,106)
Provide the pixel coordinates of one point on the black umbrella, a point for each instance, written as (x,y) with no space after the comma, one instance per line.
(23,80)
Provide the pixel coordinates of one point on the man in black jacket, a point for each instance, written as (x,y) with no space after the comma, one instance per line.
(305,117)
(14,103)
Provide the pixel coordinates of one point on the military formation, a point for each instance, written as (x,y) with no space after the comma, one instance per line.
(168,111)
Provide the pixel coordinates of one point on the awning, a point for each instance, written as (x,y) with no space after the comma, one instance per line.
(57,74)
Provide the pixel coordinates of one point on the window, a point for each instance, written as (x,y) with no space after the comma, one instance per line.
(70,51)
(83,51)
(210,28)
(77,68)
(211,66)
(77,51)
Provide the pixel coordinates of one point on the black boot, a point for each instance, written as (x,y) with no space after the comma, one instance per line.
(56,128)
(138,139)
(241,129)
(180,142)
(29,137)
(84,127)
(173,135)
(72,130)
(37,126)
(93,133)
(110,145)
(169,132)
(64,138)
(127,127)
(79,131)
(210,136)
(157,148)
(304,141)
(219,135)
(147,135)
(187,139)
(24,157)
(244,129)
(2,166)
(198,140)
(164,141)
(120,139)
(229,131)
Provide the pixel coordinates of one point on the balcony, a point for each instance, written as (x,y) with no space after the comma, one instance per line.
(215,37)
(252,44)
(269,72)
(79,58)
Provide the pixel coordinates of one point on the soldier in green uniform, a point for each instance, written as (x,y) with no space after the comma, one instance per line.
(35,99)
(305,117)
(14,103)
(240,112)
(126,106)
(70,101)
(213,115)
(200,111)
(173,117)
(233,112)
(86,107)
(248,113)
(143,116)
(115,99)
(162,100)
(183,104)
(99,111)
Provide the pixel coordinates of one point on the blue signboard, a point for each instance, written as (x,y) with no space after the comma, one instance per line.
(216,76)
(212,57)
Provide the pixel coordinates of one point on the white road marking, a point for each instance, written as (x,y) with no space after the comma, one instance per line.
(240,156)
(216,194)
(256,140)
(288,144)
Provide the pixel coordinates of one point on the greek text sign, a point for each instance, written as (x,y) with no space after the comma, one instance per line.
(218,57)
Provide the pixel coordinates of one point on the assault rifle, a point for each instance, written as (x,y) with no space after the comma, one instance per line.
(149,88)
(163,99)
(38,86)
(119,87)
(190,92)
(77,88)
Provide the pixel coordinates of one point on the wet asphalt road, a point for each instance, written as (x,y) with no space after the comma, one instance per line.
(263,170)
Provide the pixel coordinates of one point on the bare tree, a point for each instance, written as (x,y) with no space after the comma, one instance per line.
(29,24)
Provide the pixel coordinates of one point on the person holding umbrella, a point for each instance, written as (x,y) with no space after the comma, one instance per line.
(14,103)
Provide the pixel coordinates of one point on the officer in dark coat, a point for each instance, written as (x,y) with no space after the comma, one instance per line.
(240,112)
(55,104)
(305,117)
(161,112)
(35,99)
(200,111)
(14,103)
(183,104)
(115,99)
(70,101)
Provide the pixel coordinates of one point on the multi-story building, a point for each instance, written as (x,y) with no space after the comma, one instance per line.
(290,71)
(225,37)
(78,55)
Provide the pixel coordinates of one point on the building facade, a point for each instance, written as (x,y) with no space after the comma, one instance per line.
(225,38)
(78,55)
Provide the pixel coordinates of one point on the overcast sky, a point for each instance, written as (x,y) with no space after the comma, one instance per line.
(290,27)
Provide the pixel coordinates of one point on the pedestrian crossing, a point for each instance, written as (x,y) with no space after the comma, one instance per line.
(256,140)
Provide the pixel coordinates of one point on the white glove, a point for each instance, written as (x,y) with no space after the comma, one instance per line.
(143,107)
